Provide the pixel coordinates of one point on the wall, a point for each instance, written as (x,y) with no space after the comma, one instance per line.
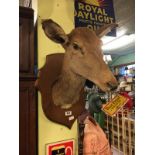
(62,11)
(124,59)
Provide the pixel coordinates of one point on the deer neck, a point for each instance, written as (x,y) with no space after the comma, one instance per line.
(66,90)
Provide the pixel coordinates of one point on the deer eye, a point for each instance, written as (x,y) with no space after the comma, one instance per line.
(77,47)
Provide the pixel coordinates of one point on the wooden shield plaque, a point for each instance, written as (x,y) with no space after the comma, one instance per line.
(47,77)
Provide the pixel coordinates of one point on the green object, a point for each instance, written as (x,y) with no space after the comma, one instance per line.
(124,59)
(96,117)
(100,116)
(100,119)
(95,104)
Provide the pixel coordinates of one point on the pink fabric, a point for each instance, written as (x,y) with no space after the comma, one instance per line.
(95,141)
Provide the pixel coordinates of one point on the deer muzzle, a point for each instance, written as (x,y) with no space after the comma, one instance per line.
(106,83)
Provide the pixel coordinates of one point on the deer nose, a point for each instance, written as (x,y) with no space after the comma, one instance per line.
(111,86)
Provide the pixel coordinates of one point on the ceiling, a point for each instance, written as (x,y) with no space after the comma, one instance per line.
(125,17)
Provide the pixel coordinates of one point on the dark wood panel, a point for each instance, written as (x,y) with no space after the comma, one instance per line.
(28,135)
(26,12)
(26,43)
(27,118)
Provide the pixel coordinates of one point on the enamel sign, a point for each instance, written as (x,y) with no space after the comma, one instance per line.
(60,148)
(93,14)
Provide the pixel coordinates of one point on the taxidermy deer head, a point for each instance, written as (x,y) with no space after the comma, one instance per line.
(83,60)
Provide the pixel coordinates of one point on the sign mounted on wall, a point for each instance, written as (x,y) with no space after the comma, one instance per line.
(61,148)
(94,13)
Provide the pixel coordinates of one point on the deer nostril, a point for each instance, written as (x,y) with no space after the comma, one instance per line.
(112,87)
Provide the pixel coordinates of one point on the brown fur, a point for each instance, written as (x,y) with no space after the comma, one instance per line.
(83,60)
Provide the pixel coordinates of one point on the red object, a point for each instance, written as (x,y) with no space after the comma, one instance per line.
(129,104)
(66,146)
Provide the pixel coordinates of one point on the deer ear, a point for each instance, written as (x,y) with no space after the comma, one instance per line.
(106,28)
(54,32)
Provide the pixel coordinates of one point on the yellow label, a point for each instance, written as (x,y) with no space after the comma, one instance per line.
(112,107)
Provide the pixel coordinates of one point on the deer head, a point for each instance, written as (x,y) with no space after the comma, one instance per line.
(83,54)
